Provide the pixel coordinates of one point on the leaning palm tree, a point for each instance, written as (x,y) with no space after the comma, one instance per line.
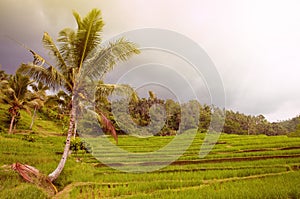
(15,93)
(79,58)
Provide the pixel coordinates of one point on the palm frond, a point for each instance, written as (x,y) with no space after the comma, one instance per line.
(78,19)
(19,83)
(103,60)
(3,84)
(106,124)
(42,88)
(26,107)
(7,98)
(34,87)
(26,171)
(66,39)
(88,34)
(107,89)
(53,50)
(48,76)
(104,90)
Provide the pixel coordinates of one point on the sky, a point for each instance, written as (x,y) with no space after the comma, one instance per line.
(254,44)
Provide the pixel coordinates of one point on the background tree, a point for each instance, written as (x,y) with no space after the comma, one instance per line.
(204,118)
(60,102)
(39,99)
(173,111)
(79,58)
(3,81)
(17,96)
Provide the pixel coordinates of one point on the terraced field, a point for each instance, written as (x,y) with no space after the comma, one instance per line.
(237,167)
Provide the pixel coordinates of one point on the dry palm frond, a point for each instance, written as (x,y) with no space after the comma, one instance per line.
(32,175)
(106,124)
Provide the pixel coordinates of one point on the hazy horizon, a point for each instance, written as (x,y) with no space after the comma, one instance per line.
(253,44)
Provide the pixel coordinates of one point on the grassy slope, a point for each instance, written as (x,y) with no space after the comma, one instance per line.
(238,167)
(42,124)
(14,148)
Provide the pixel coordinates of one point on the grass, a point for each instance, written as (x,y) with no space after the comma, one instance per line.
(237,167)
(42,125)
(281,186)
(255,166)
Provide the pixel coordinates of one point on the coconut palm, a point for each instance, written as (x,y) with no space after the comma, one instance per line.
(3,75)
(40,97)
(16,94)
(3,80)
(79,56)
(60,102)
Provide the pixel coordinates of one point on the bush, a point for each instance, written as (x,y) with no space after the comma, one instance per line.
(78,144)
(28,138)
(294,134)
(166,131)
(2,129)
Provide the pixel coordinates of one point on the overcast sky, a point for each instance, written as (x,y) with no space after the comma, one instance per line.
(255,44)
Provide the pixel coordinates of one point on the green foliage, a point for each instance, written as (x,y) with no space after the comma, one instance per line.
(250,166)
(16,94)
(29,138)
(28,190)
(296,133)
(239,123)
(291,124)
(182,115)
(78,144)
(43,122)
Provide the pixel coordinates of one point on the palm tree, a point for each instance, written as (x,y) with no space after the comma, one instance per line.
(3,75)
(60,102)
(40,97)
(3,82)
(79,57)
(17,96)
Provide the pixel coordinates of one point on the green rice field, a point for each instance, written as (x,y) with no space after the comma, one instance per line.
(239,166)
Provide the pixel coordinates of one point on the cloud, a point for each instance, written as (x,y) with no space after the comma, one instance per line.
(254,44)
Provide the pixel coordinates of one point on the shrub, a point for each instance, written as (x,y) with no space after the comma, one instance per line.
(78,144)
(28,138)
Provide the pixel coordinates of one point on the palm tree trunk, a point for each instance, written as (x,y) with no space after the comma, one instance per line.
(54,175)
(11,124)
(75,129)
(33,117)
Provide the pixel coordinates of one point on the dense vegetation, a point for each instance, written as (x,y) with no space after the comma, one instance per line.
(235,122)
(57,107)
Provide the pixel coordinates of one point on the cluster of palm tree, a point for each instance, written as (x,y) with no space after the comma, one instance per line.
(15,93)
(80,60)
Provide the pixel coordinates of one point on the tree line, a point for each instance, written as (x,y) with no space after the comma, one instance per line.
(21,93)
(235,122)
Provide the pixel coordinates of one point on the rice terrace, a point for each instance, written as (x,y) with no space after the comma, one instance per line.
(239,166)
(140,115)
